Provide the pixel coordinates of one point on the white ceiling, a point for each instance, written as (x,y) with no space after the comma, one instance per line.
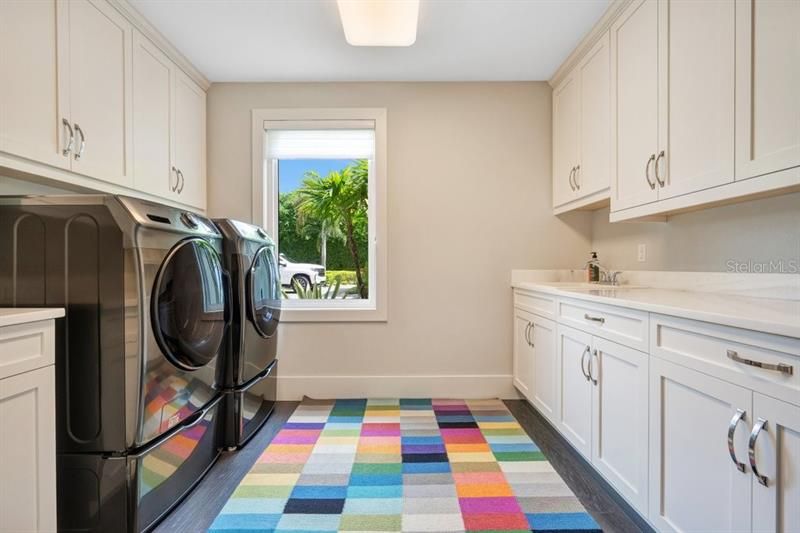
(302,40)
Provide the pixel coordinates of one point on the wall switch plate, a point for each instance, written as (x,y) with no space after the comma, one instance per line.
(641,253)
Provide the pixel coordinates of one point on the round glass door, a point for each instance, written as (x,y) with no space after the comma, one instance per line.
(264,292)
(188,304)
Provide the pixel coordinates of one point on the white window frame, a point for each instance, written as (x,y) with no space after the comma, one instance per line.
(265,203)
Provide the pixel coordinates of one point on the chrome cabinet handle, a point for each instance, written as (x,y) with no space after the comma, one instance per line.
(658,179)
(527,333)
(83,142)
(591,365)
(180,175)
(647,171)
(575,178)
(571,177)
(583,367)
(531,332)
(751,450)
(594,318)
(177,180)
(737,417)
(783,368)
(71,141)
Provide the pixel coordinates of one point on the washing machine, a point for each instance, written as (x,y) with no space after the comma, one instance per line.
(138,373)
(250,361)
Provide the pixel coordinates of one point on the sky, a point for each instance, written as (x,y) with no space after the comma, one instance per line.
(290,171)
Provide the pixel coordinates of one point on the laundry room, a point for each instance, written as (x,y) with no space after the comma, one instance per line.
(399,265)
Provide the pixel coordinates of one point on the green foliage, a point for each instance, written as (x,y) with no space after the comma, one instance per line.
(316,292)
(334,207)
(346,277)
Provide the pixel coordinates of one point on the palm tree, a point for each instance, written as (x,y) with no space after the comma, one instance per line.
(338,201)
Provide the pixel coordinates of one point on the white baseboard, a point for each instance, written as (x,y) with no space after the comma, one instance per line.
(447,386)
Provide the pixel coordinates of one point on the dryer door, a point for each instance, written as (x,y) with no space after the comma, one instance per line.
(188,304)
(264,292)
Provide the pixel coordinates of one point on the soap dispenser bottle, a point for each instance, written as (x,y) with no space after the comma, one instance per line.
(593,268)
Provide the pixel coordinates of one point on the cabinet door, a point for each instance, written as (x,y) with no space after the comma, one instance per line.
(696,84)
(575,406)
(190,140)
(767,85)
(565,138)
(595,128)
(523,353)
(634,104)
(694,483)
(32,88)
(545,367)
(100,96)
(776,505)
(152,119)
(619,422)
(28,452)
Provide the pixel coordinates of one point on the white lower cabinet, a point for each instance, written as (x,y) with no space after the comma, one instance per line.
(694,483)
(522,364)
(575,414)
(619,376)
(776,448)
(545,367)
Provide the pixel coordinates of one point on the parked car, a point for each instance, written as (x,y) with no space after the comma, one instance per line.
(305,274)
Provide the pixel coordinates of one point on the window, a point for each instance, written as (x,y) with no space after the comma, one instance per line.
(319,184)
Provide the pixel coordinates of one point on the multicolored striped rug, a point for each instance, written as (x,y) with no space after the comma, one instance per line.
(403,465)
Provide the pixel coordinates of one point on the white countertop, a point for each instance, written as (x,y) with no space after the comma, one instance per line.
(22,315)
(768,315)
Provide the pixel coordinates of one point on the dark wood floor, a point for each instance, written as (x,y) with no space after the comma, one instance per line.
(197,512)
(603,503)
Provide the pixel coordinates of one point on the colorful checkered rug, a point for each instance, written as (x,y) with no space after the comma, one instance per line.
(403,465)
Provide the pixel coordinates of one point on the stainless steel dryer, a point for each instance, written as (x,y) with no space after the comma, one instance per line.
(138,398)
(251,346)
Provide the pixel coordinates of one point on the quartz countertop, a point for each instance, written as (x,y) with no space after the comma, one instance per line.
(768,315)
(23,315)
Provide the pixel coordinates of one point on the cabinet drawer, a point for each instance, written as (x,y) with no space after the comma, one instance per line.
(625,326)
(731,354)
(536,302)
(25,347)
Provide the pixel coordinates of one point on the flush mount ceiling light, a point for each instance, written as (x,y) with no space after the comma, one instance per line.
(379,22)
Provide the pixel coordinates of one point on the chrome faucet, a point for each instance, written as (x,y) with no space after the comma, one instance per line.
(607,276)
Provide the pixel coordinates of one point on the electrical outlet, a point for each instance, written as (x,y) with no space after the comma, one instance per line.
(641,254)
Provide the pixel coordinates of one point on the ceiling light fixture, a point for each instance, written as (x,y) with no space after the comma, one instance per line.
(379,22)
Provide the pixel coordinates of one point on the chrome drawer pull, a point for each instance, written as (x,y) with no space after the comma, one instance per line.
(751,450)
(783,368)
(737,417)
(595,318)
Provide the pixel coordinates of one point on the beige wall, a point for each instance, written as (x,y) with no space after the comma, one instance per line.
(704,241)
(469,199)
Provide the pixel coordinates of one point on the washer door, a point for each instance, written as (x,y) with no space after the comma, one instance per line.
(188,304)
(264,292)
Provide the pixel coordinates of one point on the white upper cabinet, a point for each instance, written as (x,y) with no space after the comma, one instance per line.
(581,108)
(100,95)
(634,105)
(565,139)
(767,87)
(592,173)
(88,101)
(696,81)
(31,109)
(189,141)
(703,97)
(152,118)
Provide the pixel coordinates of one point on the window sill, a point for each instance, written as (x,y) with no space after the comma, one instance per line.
(361,314)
